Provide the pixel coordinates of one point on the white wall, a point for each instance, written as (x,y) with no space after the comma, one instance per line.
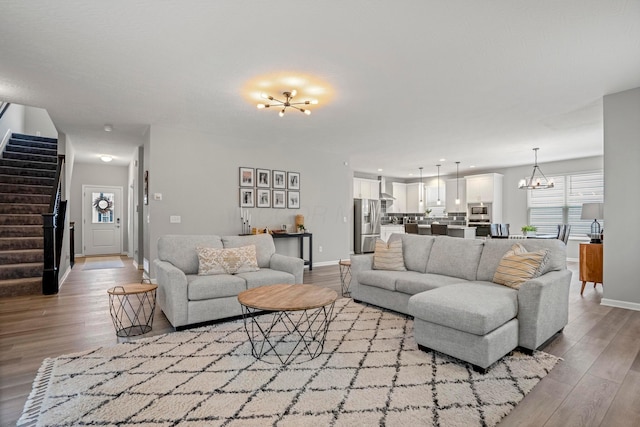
(38,122)
(66,147)
(12,122)
(97,174)
(621,178)
(197,175)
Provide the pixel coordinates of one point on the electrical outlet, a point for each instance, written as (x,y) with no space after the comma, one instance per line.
(319,248)
(175,219)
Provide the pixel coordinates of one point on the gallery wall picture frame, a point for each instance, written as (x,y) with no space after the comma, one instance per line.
(263,178)
(293,199)
(247,177)
(263,198)
(279,199)
(279,179)
(247,198)
(293,180)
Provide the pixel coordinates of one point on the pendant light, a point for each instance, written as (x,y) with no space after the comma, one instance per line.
(438,202)
(420,186)
(536,183)
(457,184)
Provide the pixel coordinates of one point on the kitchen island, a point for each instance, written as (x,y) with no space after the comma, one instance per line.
(452,231)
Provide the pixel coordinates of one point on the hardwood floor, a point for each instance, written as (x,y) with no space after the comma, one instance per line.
(597,384)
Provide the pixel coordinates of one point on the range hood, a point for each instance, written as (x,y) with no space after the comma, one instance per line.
(384,195)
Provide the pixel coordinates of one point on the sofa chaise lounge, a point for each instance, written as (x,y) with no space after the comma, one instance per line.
(458,310)
(187,298)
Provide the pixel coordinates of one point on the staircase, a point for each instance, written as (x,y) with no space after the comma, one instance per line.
(27,172)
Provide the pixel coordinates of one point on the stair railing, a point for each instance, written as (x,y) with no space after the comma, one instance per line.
(53,225)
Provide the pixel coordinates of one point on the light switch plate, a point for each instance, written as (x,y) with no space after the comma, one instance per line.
(175,219)
(157,196)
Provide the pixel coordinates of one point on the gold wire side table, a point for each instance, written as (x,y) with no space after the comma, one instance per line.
(132,308)
(345,276)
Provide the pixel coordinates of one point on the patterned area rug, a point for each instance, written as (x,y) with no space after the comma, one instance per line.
(370,373)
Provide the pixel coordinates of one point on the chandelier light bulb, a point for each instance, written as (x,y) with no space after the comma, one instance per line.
(261,106)
(281,113)
(264,95)
(314,101)
(307,112)
(294,93)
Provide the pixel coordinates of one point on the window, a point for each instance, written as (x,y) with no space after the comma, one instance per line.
(563,203)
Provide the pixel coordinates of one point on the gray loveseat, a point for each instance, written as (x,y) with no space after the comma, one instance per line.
(457,309)
(187,298)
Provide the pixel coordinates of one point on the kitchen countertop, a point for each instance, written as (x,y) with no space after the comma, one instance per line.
(459,227)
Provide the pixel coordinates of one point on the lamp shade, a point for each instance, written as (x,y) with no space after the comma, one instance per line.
(592,211)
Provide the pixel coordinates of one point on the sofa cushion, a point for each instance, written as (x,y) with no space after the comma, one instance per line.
(388,256)
(263,243)
(227,260)
(413,282)
(476,308)
(384,279)
(218,286)
(518,265)
(267,276)
(455,257)
(180,250)
(416,250)
(494,250)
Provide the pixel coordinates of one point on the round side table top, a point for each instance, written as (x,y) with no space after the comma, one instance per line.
(287,297)
(133,288)
(345,262)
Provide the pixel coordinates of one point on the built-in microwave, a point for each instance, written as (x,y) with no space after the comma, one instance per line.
(479,210)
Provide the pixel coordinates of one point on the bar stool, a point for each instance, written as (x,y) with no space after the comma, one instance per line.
(345,276)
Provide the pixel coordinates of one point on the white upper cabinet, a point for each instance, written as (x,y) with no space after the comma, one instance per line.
(486,188)
(432,196)
(414,205)
(400,193)
(366,188)
(452,190)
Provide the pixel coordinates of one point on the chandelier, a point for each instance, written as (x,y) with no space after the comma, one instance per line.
(288,97)
(536,182)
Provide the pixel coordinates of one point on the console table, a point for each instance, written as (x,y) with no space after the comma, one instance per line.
(590,264)
(300,237)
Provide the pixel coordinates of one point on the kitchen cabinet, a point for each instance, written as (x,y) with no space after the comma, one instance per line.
(366,188)
(454,189)
(484,188)
(413,198)
(400,193)
(432,196)
(590,264)
(387,230)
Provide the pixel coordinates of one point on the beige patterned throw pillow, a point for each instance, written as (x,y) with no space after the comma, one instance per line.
(517,266)
(227,261)
(388,256)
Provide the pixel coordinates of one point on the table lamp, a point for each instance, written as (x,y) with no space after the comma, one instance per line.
(595,211)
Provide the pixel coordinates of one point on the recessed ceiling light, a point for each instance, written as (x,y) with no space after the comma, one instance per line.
(108,128)
(410,174)
(106,158)
(442,160)
(472,166)
(379,170)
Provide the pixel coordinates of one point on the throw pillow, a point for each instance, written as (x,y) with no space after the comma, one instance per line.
(518,265)
(227,261)
(388,256)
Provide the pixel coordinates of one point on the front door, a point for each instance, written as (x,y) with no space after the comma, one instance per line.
(101,220)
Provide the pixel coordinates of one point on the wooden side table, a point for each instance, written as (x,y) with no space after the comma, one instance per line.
(132,308)
(345,276)
(590,264)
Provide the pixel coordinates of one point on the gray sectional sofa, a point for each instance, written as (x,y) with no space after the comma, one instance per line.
(457,309)
(187,298)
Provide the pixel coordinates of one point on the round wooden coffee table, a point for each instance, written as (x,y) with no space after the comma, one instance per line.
(132,308)
(297,326)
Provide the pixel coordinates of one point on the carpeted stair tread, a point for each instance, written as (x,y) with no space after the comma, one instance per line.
(25,137)
(24,189)
(21,271)
(14,163)
(13,208)
(27,180)
(21,256)
(32,144)
(38,199)
(21,231)
(16,243)
(25,149)
(39,174)
(17,287)
(27,157)
(21,219)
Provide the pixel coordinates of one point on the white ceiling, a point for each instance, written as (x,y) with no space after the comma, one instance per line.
(481,82)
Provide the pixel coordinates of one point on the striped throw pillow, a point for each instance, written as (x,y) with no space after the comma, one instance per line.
(388,256)
(517,266)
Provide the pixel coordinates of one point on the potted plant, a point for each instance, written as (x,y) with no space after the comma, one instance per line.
(427,212)
(529,229)
(300,228)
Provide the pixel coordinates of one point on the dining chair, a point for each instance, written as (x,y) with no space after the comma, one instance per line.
(499,231)
(411,228)
(563,232)
(439,229)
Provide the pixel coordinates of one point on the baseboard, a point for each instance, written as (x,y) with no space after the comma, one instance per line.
(620,304)
(573,259)
(325,263)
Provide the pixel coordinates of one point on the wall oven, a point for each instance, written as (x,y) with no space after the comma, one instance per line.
(478,210)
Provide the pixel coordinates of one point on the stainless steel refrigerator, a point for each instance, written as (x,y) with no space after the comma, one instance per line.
(366,227)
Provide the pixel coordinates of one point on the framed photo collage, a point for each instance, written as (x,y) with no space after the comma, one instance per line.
(265,188)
